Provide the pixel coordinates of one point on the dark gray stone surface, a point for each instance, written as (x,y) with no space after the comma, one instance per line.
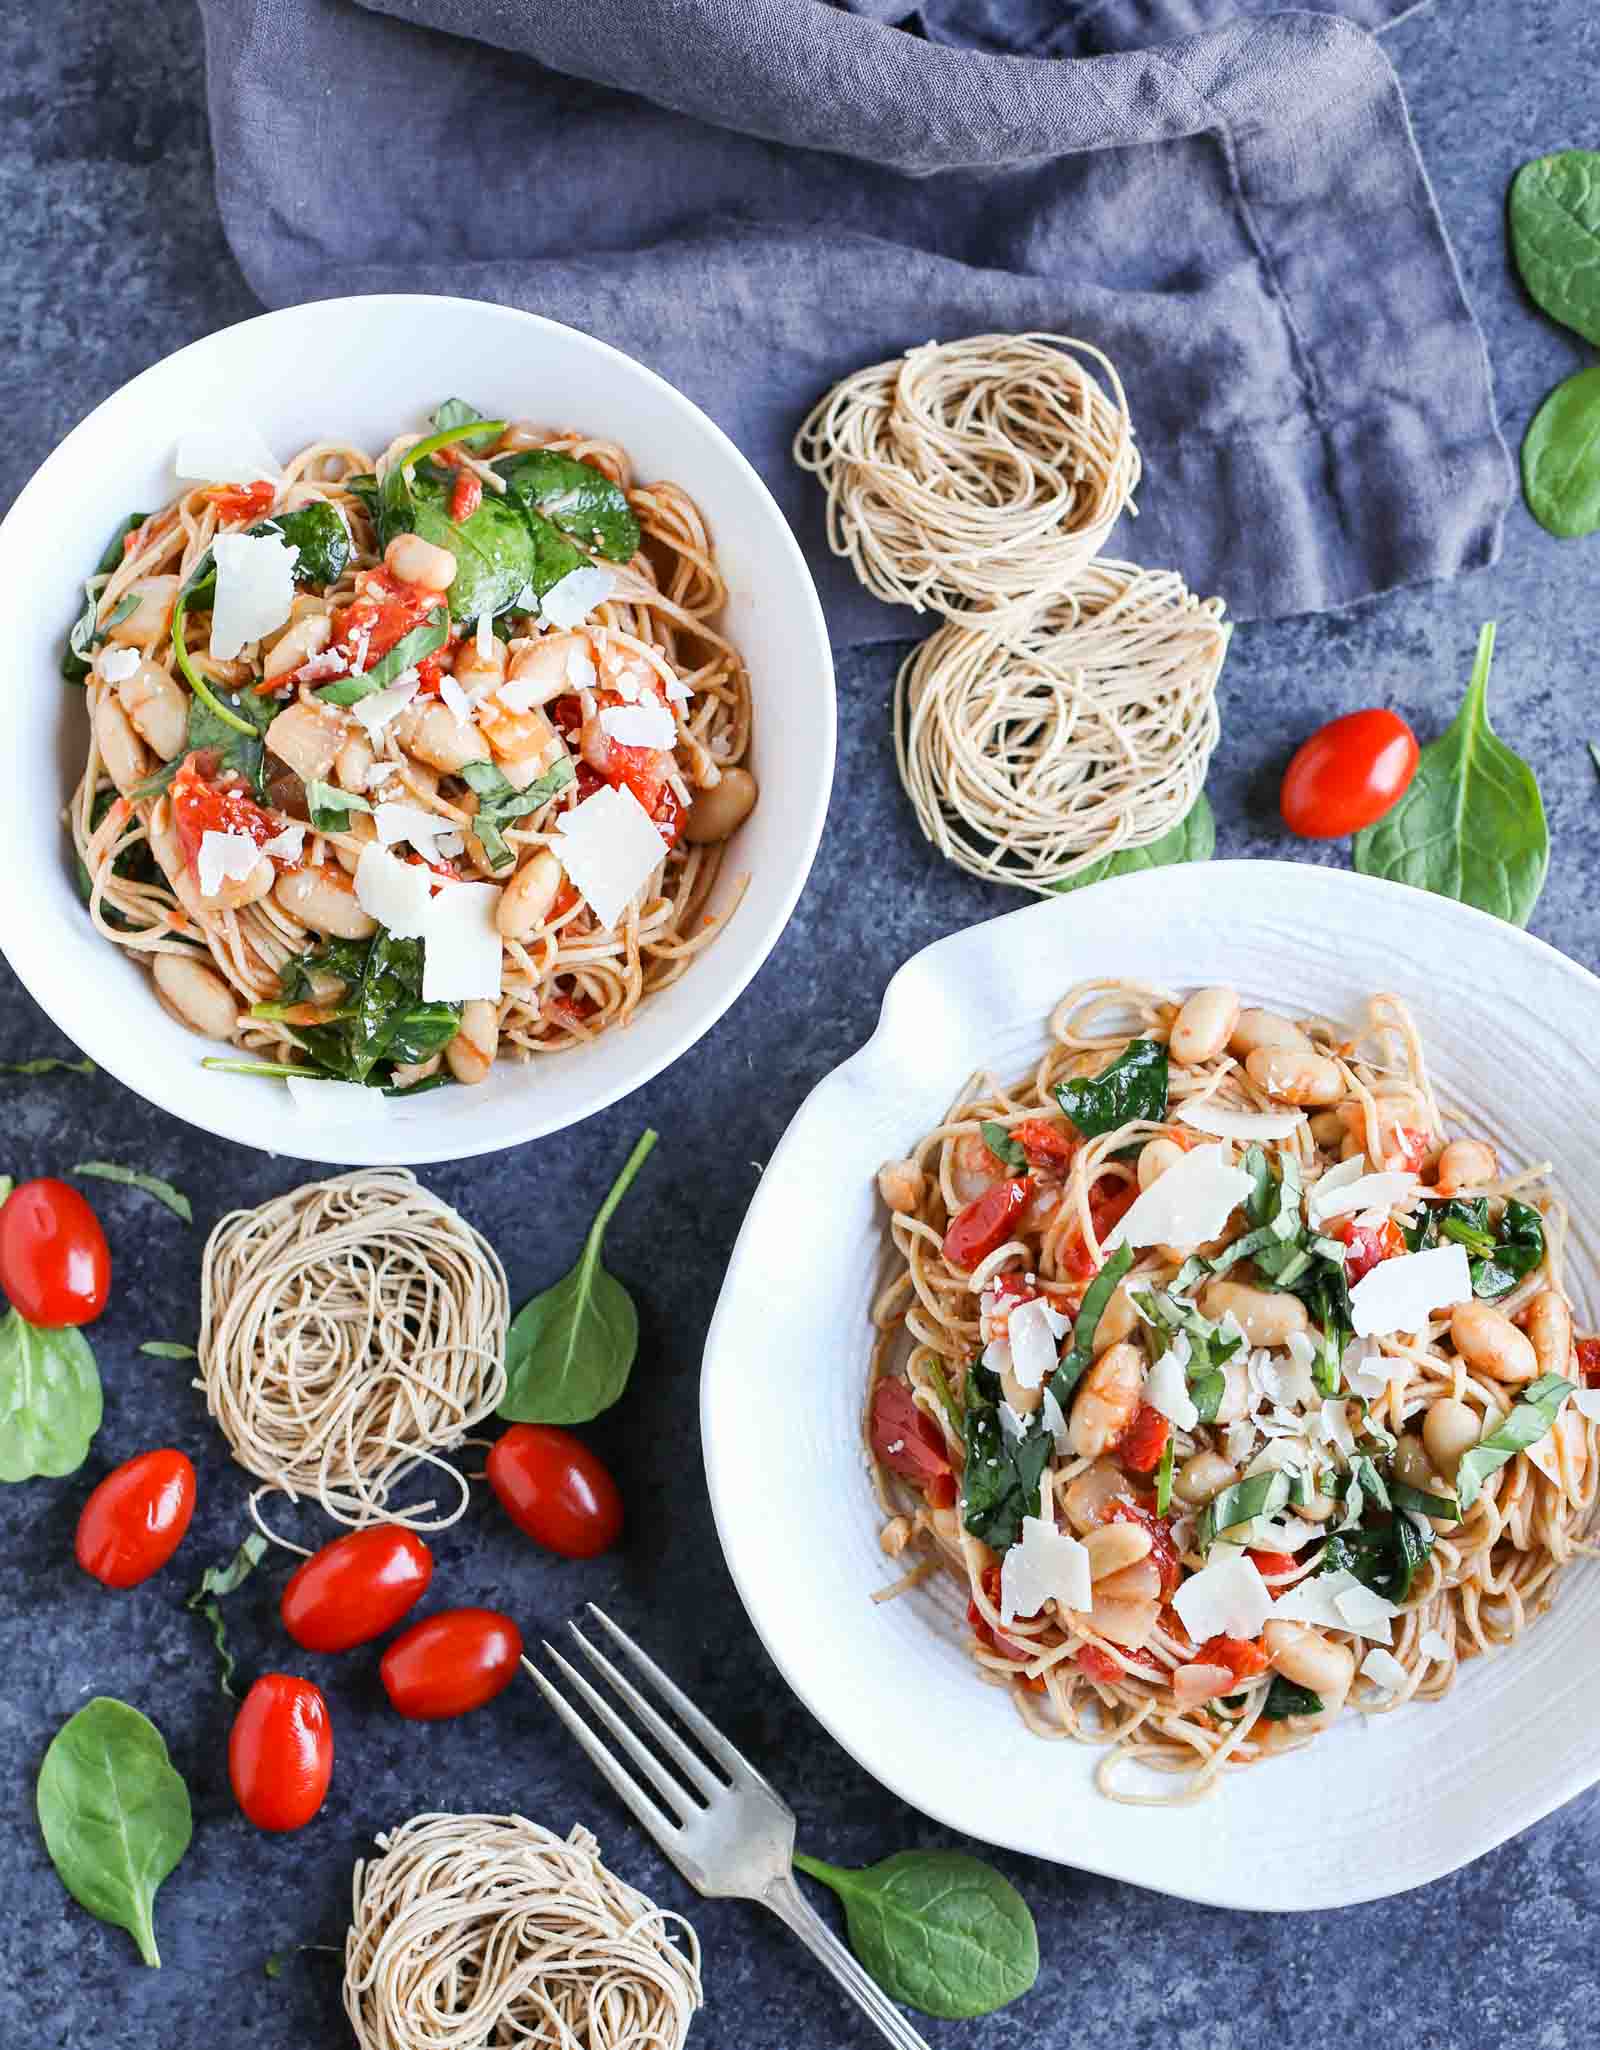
(112,257)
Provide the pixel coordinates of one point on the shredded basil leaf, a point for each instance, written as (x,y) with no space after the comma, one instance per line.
(500,802)
(330,807)
(222,1580)
(1533,1418)
(1261,1494)
(1164,1477)
(412,648)
(47,1064)
(1284,1699)
(1008,1151)
(1099,1292)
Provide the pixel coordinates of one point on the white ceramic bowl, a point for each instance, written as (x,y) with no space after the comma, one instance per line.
(368,368)
(1378,1804)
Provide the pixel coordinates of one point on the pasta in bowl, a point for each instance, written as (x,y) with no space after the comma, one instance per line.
(1231,1385)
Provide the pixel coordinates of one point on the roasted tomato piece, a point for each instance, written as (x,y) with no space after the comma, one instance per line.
(1243,1656)
(1107,1207)
(986,1222)
(201,805)
(1368,1245)
(1141,1445)
(904,1438)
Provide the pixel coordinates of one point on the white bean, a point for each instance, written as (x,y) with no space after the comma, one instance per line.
(307,637)
(151,617)
(1255,1029)
(901,1184)
(1291,1076)
(1155,1157)
(719,811)
(1450,1429)
(430,731)
(351,763)
(1114,1546)
(526,900)
(158,708)
(1118,1320)
(1202,1475)
(471,1053)
(1266,1316)
(1491,1344)
(1465,1164)
(199,996)
(325,900)
(1309,1659)
(1107,1398)
(1204,1026)
(308,738)
(1548,1323)
(412,560)
(121,749)
(1091,1494)
(168,851)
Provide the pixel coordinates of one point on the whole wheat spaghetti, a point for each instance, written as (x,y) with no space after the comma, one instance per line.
(472,1930)
(350,1332)
(1201,1437)
(1032,752)
(510,703)
(974,478)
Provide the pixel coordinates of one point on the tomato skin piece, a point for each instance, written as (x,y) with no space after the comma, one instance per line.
(466,496)
(280,1752)
(356,1588)
(55,1265)
(1105,1210)
(555,1490)
(451,1663)
(985,1223)
(1347,775)
(1099,1665)
(1271,1565)
(1141,1445)
(904,1438)
(136,1519)
(1589,1362)
(1369,1245)
(200,806)
(1243,1656)
(242,501)
(1046,1144)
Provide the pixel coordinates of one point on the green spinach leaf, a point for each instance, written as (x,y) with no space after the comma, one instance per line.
(576,497)
(493,547)
(1193,838)
(1000,1483)
(50,1400)
(500,802)
(1555,236)
(1561,458)
(1284,1699)
(456,414)
(1499,1254)
(940,1931)
(1010,1152)
(570,1349)
(1133,1087)
(237,738)
(133,1178)
(84,636)
(1095,1297)
(1472,824)
(318,531)
(115,1815)
(383,1021)
(345,960)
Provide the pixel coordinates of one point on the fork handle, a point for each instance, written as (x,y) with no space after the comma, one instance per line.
(790,1905)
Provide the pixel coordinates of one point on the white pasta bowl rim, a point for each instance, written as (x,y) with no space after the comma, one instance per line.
(381,360)
(788,1347)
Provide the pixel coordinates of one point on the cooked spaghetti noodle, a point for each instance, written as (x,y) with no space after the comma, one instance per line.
(515,716)
(350,1332)
(479,1929)
(1344,1519)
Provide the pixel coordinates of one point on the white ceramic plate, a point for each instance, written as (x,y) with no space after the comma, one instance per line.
(1377,1805)
(366,369)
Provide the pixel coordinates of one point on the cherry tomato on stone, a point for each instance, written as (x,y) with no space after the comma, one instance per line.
(135,1520)
(1348,774)
(451,1663)
(356,1588)
(280,1752)
(986,1223)
(55,1265)
(555,1490)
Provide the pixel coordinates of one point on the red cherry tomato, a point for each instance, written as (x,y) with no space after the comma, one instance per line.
(1369,1244)
(1141,1445)
(986,1223)
(135,1520)
(451,1663)
(1107,1206)
(555,1490)
(1243,1656)
(280,1752)
(200,806)
(1349,773)
(55,1265)
(905,1438)
(356,1588)
(1272,1565)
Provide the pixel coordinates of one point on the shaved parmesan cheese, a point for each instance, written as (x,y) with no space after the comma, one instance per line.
(1587,1402)
(1367,1372)
(374,712)
(1055,1422)
(1333,1426)
(1167,1389)
(580,668)
(338,1102)
(1337,1601)
(1365,1612)
(1191,1203)
(1383,1667)
(1033,1330)
(1013,1424)
(255,589)
(1402,1294)
(1339,1176)
(408,822)
(1239,1440)
(484,638)
(450,845)
(461,956)
(1383,1192)
(1223,1123)
(224,857)
(1542,1454)
(286,846)
(116,665)
(642,725)
(1228,1598)
(1433,1644)
(396,893)
(570,602)
(610,848)
(678,691)
(1047,1565)
(224,452)
(451,694)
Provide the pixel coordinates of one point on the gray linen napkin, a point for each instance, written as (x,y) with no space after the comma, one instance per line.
(757,196)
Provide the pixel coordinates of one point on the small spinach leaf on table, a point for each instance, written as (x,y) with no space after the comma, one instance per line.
(1193,838)
(1472,824)
(1133,1087)
(1555,236)
(1561,458)
(50,1399)
(581,500)
(115,1815)
(940,1931)
(570,1350)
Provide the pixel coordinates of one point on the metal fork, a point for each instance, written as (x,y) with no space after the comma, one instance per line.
(730,1837)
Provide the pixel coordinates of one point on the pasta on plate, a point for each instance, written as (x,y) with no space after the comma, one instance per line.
(396,765)
(1232,1389)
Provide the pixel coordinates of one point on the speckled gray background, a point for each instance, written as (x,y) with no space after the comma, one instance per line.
(111,257)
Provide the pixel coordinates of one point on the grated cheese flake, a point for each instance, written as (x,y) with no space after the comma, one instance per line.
(647,724)
(375,712)
(1191,1203)
(1227,1598)
(116,665)
(1033,1330)
(396,893)
(1402,1294)
(224,857)
(224,452)
(570,602)
(255,590)
(1046,1565)
(610,849)
(462,956)
(1223,1123)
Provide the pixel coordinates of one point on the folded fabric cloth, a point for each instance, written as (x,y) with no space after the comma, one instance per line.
(757,196)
